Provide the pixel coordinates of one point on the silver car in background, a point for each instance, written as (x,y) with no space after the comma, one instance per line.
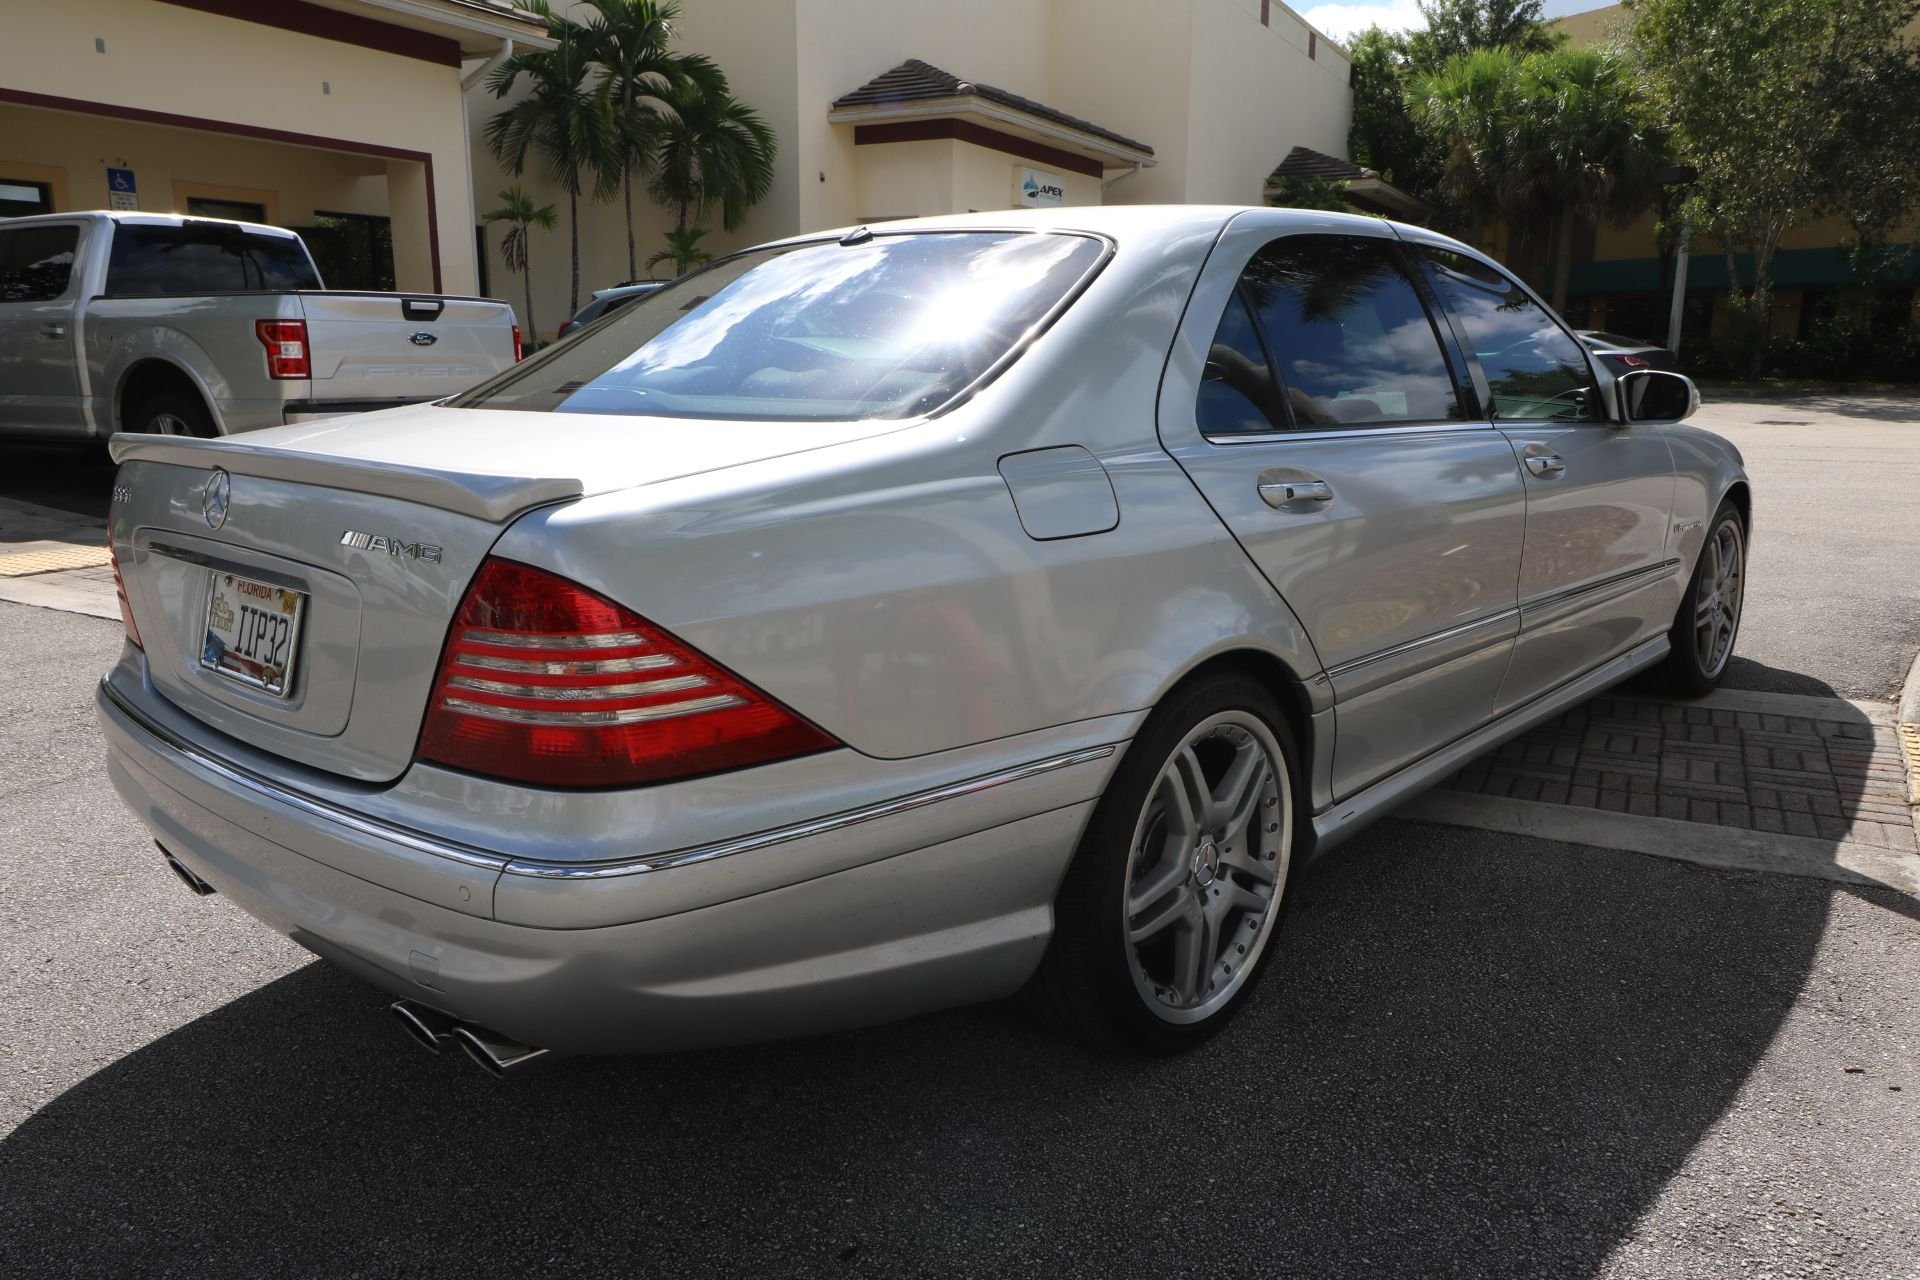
(891,619)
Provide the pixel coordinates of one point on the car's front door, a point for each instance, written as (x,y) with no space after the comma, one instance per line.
(1312,400)
(1596,577)
(39,365)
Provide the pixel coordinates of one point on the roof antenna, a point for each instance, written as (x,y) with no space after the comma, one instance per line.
(859,235)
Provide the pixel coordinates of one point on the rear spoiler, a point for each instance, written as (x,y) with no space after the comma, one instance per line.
(493,498)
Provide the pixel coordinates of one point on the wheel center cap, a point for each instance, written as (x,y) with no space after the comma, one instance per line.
(1206,862)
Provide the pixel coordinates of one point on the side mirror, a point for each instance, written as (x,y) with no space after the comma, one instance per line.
(1654,395)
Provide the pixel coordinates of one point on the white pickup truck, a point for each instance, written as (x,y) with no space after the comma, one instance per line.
(196,326)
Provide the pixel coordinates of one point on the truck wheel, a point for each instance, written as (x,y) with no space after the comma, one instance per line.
(1166,912)
(172,413)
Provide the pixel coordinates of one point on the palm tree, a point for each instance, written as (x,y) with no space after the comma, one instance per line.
(519,212)
(1470,103)
(560,117)
(630,40)
(1582,145)
(712,151)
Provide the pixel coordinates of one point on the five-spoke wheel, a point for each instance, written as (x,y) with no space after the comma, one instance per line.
(1164,918)
(1708,623)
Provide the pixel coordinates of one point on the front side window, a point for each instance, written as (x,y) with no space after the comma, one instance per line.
(888,327)
(1534,368)
(1352,343)
(167,260)
(36,263)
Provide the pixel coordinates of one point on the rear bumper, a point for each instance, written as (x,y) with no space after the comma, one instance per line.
(916,924)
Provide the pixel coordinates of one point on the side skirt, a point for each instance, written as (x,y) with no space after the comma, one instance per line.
(1342,820)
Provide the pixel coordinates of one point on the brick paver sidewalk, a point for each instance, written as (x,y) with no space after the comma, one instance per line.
(1836,779)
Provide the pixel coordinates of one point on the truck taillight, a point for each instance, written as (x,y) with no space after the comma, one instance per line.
(519,351)
(120,591)
(546,682)
(286,344)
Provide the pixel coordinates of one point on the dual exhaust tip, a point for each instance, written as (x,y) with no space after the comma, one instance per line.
(494,1053)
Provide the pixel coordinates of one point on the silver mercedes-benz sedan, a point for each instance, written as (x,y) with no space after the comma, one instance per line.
(894,618)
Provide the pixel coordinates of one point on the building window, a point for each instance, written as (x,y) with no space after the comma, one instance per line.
(234,210)
(1313,44)
(352,250)
(20,199)
(1266,13)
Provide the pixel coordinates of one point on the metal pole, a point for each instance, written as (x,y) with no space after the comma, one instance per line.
(1679,289)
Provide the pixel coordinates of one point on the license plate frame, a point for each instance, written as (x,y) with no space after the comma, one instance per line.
(230,646)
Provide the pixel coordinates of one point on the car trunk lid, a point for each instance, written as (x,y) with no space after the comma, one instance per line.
(379,530)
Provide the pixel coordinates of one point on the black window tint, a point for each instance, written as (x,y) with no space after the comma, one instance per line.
(204,257)
(1534,369)
(1351,340)
(36,262)
(1236,391)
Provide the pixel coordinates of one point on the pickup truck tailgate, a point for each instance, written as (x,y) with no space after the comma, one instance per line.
(387,346)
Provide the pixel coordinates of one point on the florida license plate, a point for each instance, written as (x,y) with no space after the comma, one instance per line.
(253,632)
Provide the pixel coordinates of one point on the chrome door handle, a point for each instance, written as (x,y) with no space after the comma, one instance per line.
(1278,493)
(53,329)
(1546,464)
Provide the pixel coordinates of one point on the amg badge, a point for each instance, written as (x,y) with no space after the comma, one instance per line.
(394,547)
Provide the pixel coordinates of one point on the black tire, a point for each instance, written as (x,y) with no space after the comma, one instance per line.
(1093,979)
(172,413)
(1687,672)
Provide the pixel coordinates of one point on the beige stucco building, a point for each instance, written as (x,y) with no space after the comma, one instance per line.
(345,118)
(892,108)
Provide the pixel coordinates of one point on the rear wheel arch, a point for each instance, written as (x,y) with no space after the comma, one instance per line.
(1289,691)
(152,377)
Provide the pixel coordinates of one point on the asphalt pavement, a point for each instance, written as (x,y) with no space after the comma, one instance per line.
(1473,1055)
(1834,561)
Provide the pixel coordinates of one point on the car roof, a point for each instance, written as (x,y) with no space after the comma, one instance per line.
(1118,222)
(141,219)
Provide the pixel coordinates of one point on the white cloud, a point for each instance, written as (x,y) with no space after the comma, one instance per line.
(1343,21)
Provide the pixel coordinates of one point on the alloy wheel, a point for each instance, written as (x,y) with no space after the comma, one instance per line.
(1205,870)
(1716,615)
(169,424)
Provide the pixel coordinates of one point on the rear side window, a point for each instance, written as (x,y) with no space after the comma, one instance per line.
(36,263)
(890,327)
(204,257)
(1237,393)
(1352,342)
(1535,370)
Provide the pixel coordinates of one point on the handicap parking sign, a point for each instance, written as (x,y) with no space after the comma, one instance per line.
(121,191)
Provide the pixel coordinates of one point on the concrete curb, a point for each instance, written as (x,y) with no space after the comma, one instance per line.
(1907,725)
(1724,848)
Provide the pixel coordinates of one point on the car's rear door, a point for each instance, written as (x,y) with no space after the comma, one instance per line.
(1315,402)
(1596,577)
(39,361)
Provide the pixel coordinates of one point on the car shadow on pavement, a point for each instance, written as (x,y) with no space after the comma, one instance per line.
(1473,1054)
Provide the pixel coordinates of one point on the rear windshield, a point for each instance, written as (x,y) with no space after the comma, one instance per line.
(204,257)
(890,327)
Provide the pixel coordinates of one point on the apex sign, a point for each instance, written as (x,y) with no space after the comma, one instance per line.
(1033,188)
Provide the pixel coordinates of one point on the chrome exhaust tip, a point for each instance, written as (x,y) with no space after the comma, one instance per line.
(431,1029)
(495,1054)
(183,874)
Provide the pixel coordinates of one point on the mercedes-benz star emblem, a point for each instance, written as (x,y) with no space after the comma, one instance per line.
(214,499)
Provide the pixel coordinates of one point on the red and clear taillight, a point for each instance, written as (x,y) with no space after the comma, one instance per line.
(546,682)
(286,344)
(120,592)
(519,348)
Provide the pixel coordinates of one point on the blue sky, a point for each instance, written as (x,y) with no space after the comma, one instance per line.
(1343,20)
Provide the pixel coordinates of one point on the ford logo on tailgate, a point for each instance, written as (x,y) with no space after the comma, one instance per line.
(422,338)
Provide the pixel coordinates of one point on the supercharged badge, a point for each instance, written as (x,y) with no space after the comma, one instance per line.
(398,548)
